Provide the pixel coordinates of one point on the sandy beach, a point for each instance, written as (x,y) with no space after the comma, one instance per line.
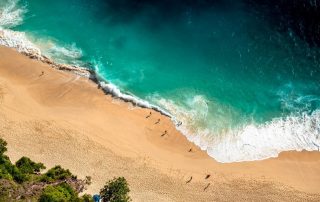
(59,118)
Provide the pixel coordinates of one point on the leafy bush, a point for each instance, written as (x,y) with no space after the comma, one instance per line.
(27,166)
(7,169)
(116,190)
(57,173)
(3,146)
(11,172)
(18,176)
(60,193)
(86,198)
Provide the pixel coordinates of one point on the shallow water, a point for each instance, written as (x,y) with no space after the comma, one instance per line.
(242,89)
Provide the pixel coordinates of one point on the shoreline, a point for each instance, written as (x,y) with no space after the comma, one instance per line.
(37,113)
(35,53)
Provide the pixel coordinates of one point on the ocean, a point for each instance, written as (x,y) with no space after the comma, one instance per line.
(242,88)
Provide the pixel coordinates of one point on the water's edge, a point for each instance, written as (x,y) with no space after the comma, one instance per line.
(107,87)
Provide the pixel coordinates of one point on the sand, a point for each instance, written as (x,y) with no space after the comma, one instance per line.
(60,118)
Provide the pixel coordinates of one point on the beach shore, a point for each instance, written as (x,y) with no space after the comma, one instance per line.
(60,118)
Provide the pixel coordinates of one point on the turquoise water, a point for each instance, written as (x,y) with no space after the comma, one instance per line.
(221,69)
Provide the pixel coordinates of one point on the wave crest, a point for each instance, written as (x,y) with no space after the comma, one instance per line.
(11,15)
(112,89)
(250,142)
(257,142)
(18,41)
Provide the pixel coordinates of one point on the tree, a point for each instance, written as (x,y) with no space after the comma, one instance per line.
(116,190)
(7,169)
(27,166)
(86,198)
(3,146)
(61,193)
(57,173)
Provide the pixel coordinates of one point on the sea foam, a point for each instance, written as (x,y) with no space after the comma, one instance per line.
(262,141)
(11,15)
(18,41)
(249,142)
(112,89)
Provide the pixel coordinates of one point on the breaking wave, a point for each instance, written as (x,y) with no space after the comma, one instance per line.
(250,142)
(112,89)
(11,15)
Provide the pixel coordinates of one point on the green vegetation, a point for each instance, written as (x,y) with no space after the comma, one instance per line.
(116,190)
(62,192)
(23,181)
(27,166)
(21,171)
(57,173)
(3,146)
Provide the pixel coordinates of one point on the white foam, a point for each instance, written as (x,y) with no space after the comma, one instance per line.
(64,54)
(115,91)
(257,142)
(10,14)
(18,41)
(250,142)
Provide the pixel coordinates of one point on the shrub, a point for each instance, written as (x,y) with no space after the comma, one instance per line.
(10,171)
(5,163)
(5,168)
(116,190)
(60,193)
(3,146)
(18,176)
(86,198)
(57,173)
(27,166)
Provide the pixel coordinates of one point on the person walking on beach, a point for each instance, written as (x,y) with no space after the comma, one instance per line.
(157,121)
(206,187)
(42,73)
(165,132)
(149,115)
(189,180)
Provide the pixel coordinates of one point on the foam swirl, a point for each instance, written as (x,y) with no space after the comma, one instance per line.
(11,15)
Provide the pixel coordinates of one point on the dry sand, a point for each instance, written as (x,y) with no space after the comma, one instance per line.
(61,118)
